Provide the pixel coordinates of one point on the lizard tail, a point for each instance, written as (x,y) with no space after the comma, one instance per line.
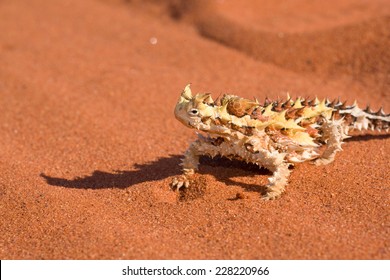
(362,119)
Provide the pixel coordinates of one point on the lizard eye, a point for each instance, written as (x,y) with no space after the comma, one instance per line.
(194,112)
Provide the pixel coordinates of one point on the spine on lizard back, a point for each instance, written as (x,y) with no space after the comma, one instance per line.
(355,117)
(361,119)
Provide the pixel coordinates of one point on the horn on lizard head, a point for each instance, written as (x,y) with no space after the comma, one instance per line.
(186,93)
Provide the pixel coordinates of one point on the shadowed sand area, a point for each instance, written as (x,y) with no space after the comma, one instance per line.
(89,144)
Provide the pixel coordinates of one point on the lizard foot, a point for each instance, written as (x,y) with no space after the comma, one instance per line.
(273,192)
(180,182)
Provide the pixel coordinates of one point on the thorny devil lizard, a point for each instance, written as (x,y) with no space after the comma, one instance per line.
(273,135)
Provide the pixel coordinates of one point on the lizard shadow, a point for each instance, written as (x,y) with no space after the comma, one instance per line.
(222,169)
(226,170)
(367,137)
(151,171)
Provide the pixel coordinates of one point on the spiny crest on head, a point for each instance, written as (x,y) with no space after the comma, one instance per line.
(198,98)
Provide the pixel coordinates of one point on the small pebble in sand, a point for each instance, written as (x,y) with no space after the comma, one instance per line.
(240,195)
(153,40)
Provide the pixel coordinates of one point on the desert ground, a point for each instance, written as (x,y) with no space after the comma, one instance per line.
(89,143)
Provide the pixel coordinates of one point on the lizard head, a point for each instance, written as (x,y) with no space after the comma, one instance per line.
(195,111)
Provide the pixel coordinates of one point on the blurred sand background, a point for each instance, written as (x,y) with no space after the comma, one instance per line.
(89,143)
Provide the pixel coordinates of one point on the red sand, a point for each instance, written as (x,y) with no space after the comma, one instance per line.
(89,143)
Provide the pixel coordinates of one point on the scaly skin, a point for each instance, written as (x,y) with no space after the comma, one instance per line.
(273,135)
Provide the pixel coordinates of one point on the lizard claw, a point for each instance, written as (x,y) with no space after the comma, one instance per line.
(273,191)
(179,182)
(271,195)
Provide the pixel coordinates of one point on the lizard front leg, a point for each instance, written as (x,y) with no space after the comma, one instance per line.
(189,163)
